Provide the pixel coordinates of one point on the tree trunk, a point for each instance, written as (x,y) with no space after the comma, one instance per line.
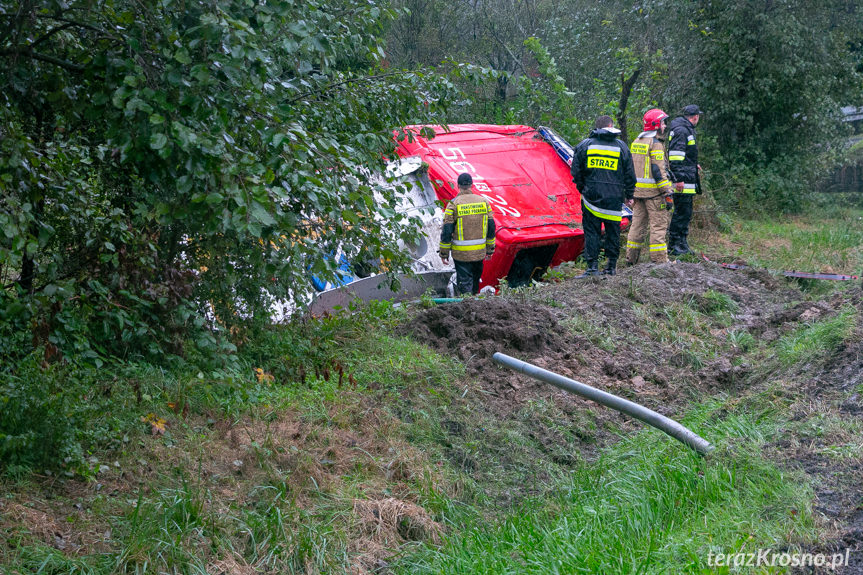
(625,91)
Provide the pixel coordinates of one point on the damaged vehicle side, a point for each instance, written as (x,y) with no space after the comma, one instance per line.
(523,172)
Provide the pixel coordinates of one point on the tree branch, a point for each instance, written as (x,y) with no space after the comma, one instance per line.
(59,62)
(329,87)
(50,33)
(625,91)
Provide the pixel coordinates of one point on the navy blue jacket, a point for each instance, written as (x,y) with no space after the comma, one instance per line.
(682,151)
(602,169)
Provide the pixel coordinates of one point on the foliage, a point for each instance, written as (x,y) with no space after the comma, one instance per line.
(546,99)
(164,166)
(771,77)
(769,81)
(38,421)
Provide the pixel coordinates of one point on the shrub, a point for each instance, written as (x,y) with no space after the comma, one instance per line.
(37,421)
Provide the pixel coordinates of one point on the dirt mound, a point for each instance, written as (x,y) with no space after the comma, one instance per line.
(588,330)
(475,329)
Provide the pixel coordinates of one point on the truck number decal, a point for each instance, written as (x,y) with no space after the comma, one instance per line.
(500,203)
(459,163)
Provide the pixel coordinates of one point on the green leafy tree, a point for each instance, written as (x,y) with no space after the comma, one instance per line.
(167,164)
(773,76)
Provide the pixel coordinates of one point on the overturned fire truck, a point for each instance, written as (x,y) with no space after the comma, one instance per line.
(523,172)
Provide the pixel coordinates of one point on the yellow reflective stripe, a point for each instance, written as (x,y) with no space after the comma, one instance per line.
(639,148)
(658,247)
(445,246)
(459,234)
(448,211)
(657,154)
(611,215)
(489,242)
(690,142)
(676,156)
(601,148)
(468,248)
(663,183)
(471,209)
(612,153)
(479,242)
(631,244)
(653,185)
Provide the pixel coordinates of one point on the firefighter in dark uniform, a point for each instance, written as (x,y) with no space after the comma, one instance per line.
(683,169)
(602,169)
(468,231)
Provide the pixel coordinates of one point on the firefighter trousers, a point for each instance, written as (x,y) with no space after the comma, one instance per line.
(649,218)
(467,276)
(678,231)
(593,232)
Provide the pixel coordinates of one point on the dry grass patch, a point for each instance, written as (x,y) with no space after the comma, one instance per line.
(383,525)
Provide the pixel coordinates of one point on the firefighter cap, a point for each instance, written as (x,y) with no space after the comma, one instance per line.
(692,110)
(465,180)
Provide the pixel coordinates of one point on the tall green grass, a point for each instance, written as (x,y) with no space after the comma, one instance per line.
(816,340)
(831,239)
(647,505)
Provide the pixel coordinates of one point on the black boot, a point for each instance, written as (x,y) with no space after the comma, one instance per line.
(591,271)
(684,245)
(610,268)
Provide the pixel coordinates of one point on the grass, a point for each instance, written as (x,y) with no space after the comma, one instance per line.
(816,340)
(601,336)
(516,492)
(682,326)
(645,505)
(828,240)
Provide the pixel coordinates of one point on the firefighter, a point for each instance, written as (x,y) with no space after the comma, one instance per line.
(683,169)
(653,191)
(468,231)
(602,170)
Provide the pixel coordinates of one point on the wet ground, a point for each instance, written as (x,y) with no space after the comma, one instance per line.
(666,336)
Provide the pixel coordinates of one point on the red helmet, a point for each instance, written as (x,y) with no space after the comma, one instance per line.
(653,119)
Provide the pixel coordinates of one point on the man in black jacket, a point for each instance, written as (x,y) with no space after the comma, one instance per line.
(683,168)
(602,169)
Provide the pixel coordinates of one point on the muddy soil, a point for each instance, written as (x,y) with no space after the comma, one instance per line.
(540,328)
(594,331)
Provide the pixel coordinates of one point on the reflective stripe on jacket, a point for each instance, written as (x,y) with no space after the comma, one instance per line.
(468,229)
(682,152)
(651,169)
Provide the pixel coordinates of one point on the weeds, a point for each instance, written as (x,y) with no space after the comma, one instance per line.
(816,340)
(644,505)
(601,337)
(742,340)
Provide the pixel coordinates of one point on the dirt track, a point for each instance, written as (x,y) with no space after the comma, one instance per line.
(598,331)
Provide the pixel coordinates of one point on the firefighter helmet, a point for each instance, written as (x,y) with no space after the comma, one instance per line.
(653,119)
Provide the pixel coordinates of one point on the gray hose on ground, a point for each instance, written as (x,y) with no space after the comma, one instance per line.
(630,408)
